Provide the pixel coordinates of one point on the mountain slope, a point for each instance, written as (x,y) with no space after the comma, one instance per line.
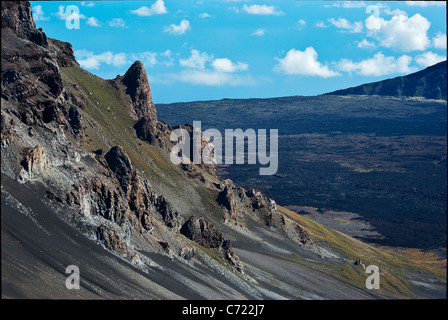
(429,83)
(87,180)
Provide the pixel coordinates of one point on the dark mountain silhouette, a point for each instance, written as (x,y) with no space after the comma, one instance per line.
(429,83)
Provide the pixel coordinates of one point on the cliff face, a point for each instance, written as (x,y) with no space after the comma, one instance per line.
(19,18)
(44,142)
(83,184)
(41,113)
(31,77)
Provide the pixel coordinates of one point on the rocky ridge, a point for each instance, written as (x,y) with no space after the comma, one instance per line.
(40,112)
(429,83)
(109,184)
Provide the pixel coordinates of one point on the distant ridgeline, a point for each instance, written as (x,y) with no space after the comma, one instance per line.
(429,83)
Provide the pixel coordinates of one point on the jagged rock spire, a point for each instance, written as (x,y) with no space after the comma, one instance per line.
(137,86)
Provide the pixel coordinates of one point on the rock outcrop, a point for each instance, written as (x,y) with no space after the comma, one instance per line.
(202,232)
(35,163)
(31,77)
(226,199)
(19,18)
(205,234)
(120,164)
(137,86)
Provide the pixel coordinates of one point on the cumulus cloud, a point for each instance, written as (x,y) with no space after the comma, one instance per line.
(63,14)
(183,27)
(204,69)
(87,4)
(197,60)
(89,60)
(303,63)
(385,9)
(212,78)
(92,21)
(118,23)
(428,58)
(378,65)
(366,44)
(346,25)
(258,32)
(262,9)
(226,65)
(156,8)
(400,32)
(149,58)
(38,13)
(439,41)
(300,24)
(204,15)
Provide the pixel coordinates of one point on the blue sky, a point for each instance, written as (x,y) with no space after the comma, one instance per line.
(214,49)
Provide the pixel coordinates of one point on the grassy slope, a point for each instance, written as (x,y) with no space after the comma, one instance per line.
(396,269)
(112,126)
(106,107)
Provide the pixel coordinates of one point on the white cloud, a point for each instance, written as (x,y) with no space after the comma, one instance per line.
(87,4)
(262,9)
(401,32)
(148,58)
(350,4)
(183,27)
(300,24)
(320,24)
(304,63)
(439,41)
(197,60)
(117,22)
(203,69)
(62,14)
(428,58)
(234,9)
(204,15)
(384,8)
(166,58)
(258,32)
(426,3)
(342,23)
(89,60)
(378,65)
(365,44)
(390,12)
(92,21)
(38,13)
(212,78)
(156,8)
(226,65)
